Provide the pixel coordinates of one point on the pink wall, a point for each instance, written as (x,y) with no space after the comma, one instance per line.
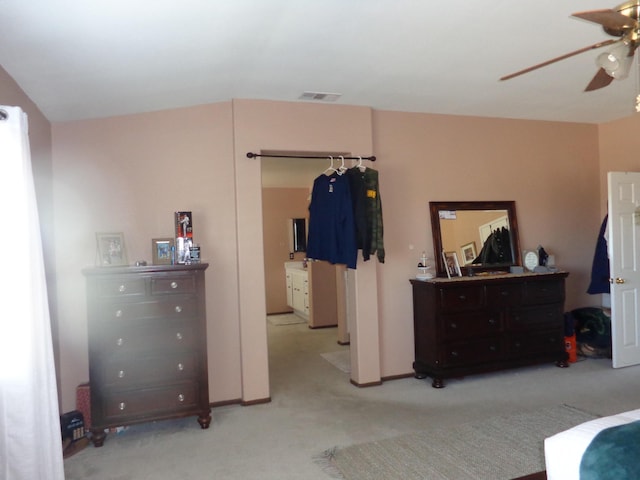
(130,173)
(278,206)
(549,169)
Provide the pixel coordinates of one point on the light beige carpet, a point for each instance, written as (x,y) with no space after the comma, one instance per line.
(498,448)
(285,319)
(340,359)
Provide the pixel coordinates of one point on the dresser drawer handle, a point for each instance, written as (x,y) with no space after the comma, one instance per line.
(181,397)
(492,348)
(454,325)
(174,285)
(178,309)
(180,367)
(120,342)
(122,288)
(179,336)
(454,353)
(504,293)
(122,406)
(492,321)
(462,297)
(118,313)
(121,374)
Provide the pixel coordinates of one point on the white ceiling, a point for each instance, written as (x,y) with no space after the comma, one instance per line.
(96,58)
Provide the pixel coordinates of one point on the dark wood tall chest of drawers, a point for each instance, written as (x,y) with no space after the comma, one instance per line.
(147,345)
(468,325)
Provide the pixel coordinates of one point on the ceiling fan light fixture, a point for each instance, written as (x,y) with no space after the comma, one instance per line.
(616,62)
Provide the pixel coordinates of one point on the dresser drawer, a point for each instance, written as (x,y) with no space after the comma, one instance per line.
(504,295)
(536,318)
(146,370)
(120,287)
(173,284)
(153,401)
(178,307)
(461,298)
(474,352)
(544,292)
(164,336)
(456,326)
(539,343)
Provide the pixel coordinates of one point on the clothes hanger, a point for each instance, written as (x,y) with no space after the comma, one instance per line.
(330,169)
(360,166)
(342,168)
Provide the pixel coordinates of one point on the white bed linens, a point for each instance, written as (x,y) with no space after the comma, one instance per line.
(563,451)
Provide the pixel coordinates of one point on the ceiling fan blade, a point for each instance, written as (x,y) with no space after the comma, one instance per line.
(600,80)
(557,59)
(609,19)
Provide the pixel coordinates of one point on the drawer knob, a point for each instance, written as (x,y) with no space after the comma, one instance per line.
(462,297)
(121,374)
(178,309)
(504,293)
(174,285)
(181,397)
(454,325)
(492,348)
(120,342)
(179,336)
(122,288)
(180,367)
(122,406)
(492,321)
(118,313)
(454,353)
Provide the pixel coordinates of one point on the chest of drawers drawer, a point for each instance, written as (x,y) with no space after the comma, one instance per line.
(119,406)
(173,307)
(124,371)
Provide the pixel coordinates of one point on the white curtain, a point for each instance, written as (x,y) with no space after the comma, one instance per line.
(30,439)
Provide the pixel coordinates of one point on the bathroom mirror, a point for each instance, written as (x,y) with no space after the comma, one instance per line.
(481,236)
(298,235)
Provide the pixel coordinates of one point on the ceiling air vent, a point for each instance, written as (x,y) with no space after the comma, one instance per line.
(320,96)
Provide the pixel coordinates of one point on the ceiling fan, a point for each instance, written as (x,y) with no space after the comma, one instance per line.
(622,22)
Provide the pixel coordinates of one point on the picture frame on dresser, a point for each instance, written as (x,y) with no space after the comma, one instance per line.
(110,249)
(161,250)
(451,263)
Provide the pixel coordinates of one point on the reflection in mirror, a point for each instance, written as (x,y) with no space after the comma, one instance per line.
(298,235)
(483,236)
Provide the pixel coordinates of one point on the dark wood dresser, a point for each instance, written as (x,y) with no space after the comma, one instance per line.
(467,325)
(147,345)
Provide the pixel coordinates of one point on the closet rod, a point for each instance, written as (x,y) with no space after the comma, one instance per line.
(371,158)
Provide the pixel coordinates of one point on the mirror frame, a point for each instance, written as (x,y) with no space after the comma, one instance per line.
(509,206)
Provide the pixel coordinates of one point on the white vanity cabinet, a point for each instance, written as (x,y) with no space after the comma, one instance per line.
(297,288)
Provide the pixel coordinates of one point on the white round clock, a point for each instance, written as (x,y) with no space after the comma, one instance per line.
(530,260)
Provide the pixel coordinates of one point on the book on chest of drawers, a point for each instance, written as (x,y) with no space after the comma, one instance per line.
(476,324)
(147,345)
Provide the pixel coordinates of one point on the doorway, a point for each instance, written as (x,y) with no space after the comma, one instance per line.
(286,190)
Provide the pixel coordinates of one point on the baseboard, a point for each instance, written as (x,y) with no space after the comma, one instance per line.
(255,402)
(398,377)
(364,385)
(224,403)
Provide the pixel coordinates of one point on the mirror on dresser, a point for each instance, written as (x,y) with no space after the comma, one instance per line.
(482,235)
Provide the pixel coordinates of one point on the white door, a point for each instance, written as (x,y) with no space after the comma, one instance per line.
(624,261)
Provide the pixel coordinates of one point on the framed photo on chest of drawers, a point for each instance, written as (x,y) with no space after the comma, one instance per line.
(147,345)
